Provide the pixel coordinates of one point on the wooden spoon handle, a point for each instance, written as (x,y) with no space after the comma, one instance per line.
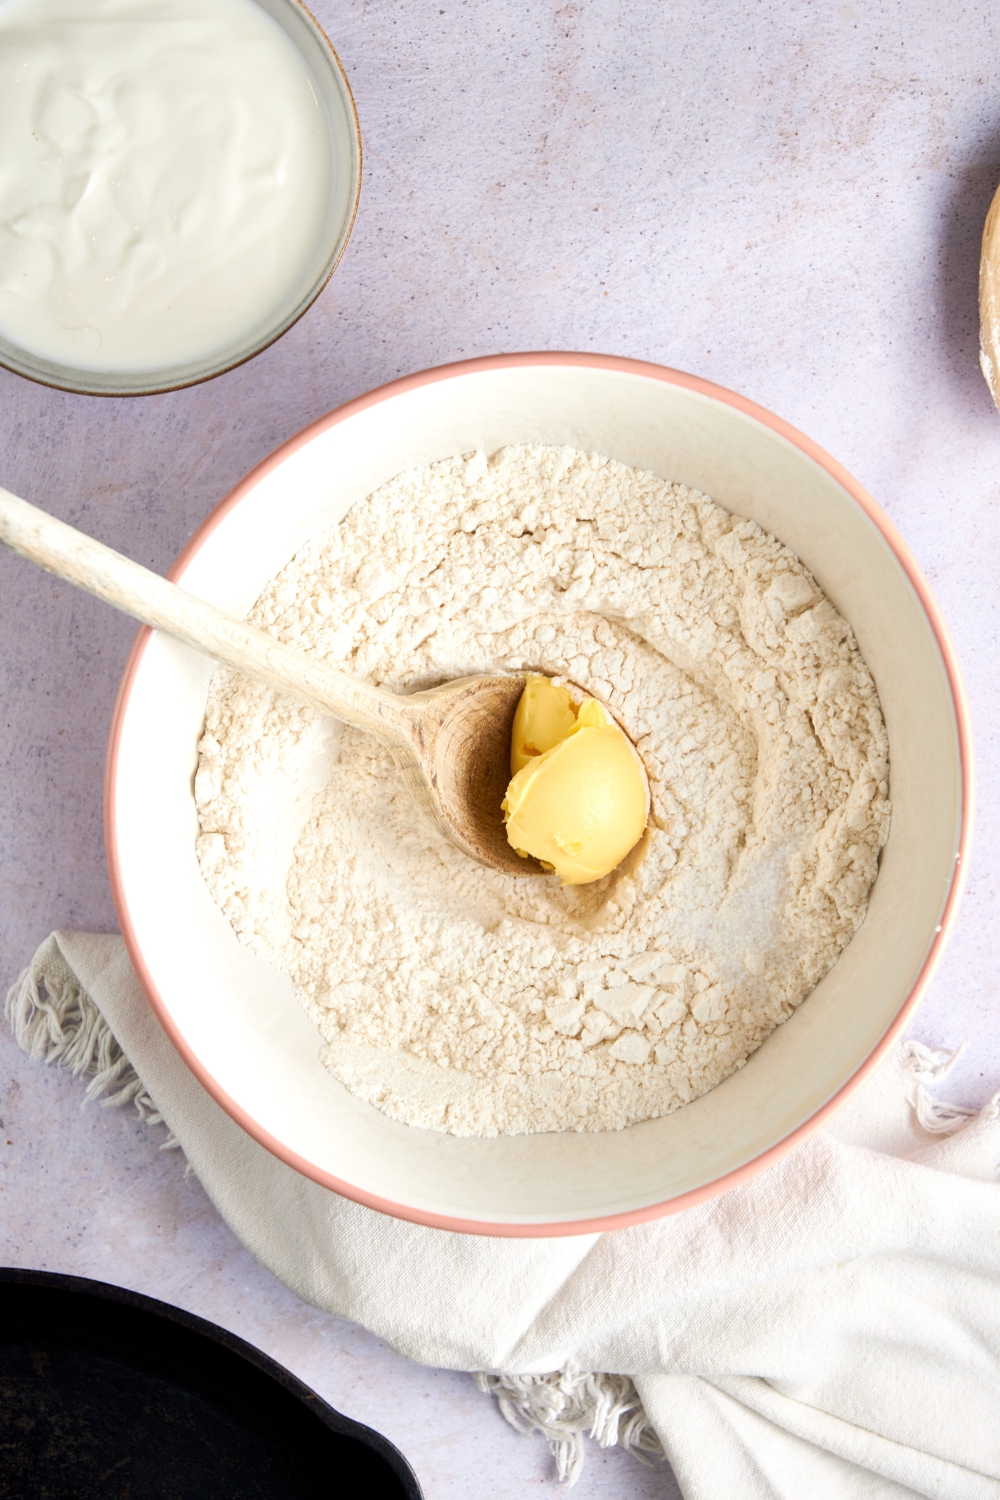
(128,586)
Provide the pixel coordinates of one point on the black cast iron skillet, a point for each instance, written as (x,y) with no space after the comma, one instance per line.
(104,1393)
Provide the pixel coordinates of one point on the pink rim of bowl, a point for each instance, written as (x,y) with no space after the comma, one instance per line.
(892,1035)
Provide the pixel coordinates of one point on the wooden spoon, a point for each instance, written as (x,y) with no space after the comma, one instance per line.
(452,742)
(989,299)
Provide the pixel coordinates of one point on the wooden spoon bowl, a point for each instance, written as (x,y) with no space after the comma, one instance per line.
(459,737)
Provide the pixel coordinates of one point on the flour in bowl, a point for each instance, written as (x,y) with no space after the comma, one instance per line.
(460,999)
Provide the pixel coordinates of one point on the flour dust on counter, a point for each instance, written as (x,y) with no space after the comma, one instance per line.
(461,999)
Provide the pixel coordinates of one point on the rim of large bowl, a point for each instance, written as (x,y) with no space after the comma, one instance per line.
(773,1154)
(81,382)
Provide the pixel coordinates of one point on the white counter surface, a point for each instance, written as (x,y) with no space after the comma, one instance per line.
(784,198)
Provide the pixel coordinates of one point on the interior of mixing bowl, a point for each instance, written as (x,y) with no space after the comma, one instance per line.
(235,1017)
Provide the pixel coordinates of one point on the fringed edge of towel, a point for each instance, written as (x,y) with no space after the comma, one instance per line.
(54,1020)
(923,1065)
(565,1406)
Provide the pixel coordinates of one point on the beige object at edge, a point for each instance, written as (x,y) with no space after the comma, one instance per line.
(989,300)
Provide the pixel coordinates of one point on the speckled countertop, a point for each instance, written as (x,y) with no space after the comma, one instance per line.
(785,198)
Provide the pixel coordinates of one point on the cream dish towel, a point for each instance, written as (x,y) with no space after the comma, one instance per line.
(828,1331)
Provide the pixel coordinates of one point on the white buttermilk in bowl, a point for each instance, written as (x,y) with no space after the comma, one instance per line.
(460,999)
(165,175)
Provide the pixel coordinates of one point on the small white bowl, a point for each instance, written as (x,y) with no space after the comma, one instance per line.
(345,150)
(234,1018)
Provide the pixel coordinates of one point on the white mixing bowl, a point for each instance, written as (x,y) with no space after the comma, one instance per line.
(234,1018)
